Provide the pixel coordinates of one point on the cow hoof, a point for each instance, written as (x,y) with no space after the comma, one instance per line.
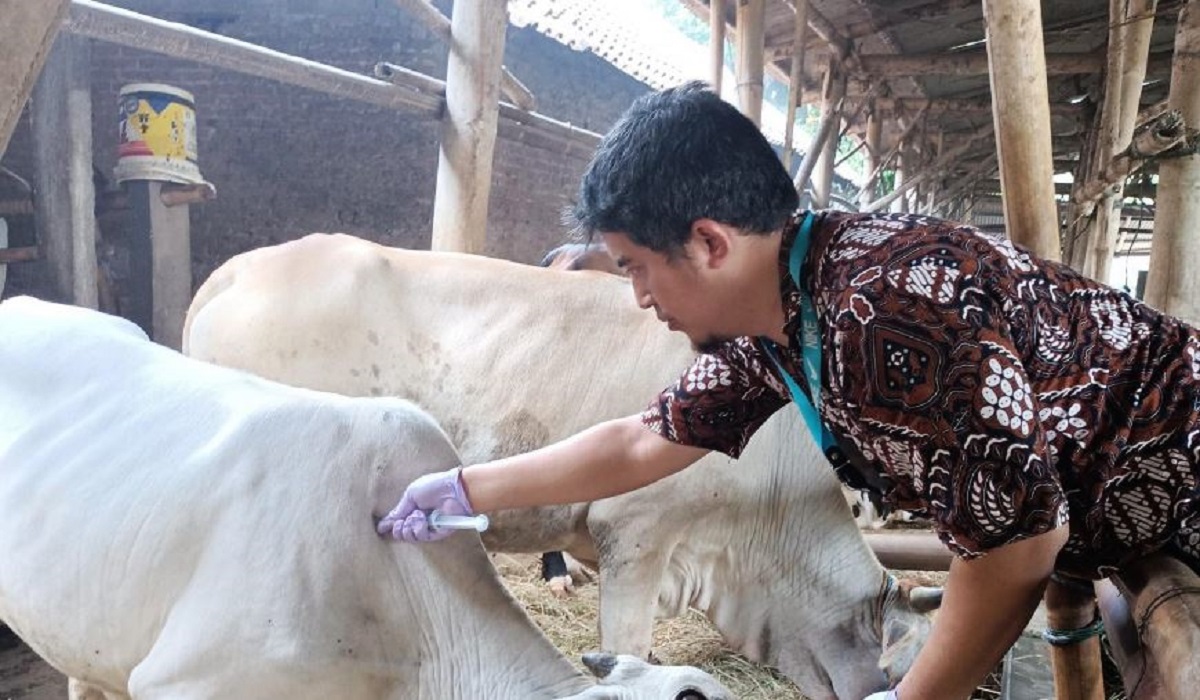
(561,586)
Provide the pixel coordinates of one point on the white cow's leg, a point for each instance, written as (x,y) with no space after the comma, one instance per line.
(629,589)
(79,690)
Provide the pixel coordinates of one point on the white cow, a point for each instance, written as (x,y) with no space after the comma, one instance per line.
(510,357)
(171,529)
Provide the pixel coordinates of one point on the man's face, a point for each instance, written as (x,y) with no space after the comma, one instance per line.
(674,287)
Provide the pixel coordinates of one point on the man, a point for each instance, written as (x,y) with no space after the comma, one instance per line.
(1002,395)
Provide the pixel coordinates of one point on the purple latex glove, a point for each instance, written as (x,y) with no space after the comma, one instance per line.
(409,520)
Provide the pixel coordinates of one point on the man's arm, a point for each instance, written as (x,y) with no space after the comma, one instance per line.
(609,459)
(987,602)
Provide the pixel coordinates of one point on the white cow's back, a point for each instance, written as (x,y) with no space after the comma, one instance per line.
(188,531)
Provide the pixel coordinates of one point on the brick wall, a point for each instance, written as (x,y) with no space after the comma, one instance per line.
(287,161)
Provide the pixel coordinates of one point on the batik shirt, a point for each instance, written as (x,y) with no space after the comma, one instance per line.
(998,394)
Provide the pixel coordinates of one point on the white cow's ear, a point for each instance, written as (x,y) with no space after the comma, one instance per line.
(599,663)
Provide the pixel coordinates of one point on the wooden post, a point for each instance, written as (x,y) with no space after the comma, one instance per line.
(1021,111)
(750,38)
(66,197)
(795,81)
(1172,284)
(26,35)
(1076,666)
(160,261)
(831,108)
(464,175)
(1131,22)
(716,43)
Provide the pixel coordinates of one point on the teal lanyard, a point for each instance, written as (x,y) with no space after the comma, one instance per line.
(810,336)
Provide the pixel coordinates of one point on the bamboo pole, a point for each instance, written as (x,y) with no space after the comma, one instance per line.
(936,168)
(1172,284)
(464,175)
(1130,32)
(1163,133)
(26,35)
(750,17)
(882,163)
(815,147)
(716,43)
(439,25)
(1021,111)
(1076,666)
(831,107)
(956,106)
(795,81)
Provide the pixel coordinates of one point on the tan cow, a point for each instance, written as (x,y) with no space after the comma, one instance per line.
(509,357)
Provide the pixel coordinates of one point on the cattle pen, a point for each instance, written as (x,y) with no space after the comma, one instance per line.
(1071,125)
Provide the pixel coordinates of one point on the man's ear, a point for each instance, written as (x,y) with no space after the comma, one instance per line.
(711,242)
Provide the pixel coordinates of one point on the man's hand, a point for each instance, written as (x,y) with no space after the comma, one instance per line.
(441,491)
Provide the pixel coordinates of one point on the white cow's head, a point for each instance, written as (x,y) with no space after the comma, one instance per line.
(630,678)
(903,633)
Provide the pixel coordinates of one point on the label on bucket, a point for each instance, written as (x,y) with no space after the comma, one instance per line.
(157,135)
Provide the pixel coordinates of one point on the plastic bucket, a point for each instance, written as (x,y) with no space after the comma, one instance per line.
(157,135)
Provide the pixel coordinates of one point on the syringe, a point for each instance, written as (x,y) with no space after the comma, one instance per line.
(440,521)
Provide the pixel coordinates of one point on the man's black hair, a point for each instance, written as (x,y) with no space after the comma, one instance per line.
(676,156)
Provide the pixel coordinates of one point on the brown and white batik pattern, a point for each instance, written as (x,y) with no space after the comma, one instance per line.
(1001,394)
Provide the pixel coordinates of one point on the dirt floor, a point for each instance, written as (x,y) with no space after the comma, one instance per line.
(23,676)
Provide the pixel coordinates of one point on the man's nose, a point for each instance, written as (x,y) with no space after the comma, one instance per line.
(643,297)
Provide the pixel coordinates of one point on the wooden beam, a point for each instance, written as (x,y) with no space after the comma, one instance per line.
(1021,111)
(26,35)
(62,153)
(913,550)
(957,106)
(439,25)
(964,63)
(119,26)
(795,81)
(464,175)
(716,43)
(749,66)
(928,11)
(1164,599)
(19,255)
(404,90)
(1172,284)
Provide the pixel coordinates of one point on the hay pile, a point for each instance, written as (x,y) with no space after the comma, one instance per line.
(571,625)
(690,640)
